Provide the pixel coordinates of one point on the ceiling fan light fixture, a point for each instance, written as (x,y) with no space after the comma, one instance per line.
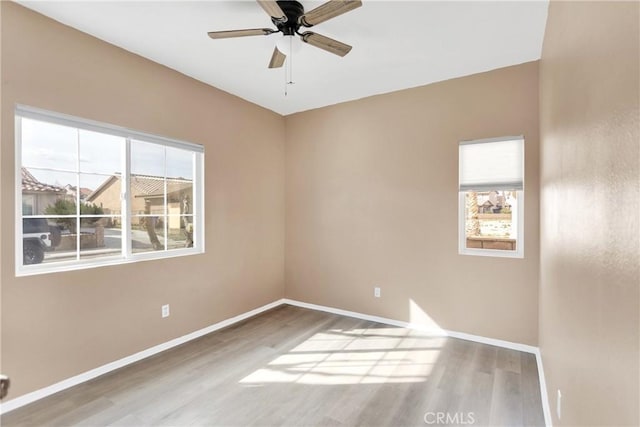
(288,44)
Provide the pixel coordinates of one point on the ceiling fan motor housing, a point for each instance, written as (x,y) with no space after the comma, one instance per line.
(293,10)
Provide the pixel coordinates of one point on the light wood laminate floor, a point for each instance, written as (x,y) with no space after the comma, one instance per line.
(298,367)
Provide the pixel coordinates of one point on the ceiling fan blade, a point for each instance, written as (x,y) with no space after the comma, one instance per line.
(277,59)
(323,42)
(328,10)
(240,33)
(273,9)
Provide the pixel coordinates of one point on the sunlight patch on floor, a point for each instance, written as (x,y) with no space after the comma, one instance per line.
(354,356)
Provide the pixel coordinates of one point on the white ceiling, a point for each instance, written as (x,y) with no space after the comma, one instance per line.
(396,44)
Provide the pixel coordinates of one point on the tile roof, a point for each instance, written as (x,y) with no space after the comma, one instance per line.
(31,184)
(84,192)
(146,185)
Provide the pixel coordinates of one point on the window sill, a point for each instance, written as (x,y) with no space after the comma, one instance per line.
(72,265)
(491,253)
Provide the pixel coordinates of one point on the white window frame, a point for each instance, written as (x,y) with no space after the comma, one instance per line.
(126,255)
(517,217)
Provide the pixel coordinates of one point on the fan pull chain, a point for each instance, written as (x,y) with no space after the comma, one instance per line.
(288,65)
(291,60)
(285,79)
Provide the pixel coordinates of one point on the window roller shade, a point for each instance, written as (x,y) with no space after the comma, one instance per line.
(487,165)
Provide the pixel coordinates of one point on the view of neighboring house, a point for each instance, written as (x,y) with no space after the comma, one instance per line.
(73,192)
(147,197)
(493,201)
(36,195)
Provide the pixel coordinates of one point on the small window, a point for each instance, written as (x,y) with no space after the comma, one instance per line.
(491,200)
(91,194)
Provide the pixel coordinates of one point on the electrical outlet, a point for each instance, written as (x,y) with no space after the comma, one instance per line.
(165,310)
(376,292)
(559,405)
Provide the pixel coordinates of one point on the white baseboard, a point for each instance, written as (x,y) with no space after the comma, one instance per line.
(543,390)
(86,376)
(435,331)
(25,399)
(443,332)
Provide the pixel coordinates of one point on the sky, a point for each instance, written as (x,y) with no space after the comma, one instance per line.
(51,152)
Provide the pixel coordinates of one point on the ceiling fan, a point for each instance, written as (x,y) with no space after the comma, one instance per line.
(288,16)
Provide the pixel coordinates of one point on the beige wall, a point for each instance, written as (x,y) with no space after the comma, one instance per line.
(372,200)
(590,204)
(57,325)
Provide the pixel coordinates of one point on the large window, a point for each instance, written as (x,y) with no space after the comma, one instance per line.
(91,194)
(491,186)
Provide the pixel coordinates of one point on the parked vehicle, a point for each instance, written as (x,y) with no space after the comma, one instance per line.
(38,237)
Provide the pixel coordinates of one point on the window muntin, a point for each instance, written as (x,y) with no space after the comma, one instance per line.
(491,201)
(85,188)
